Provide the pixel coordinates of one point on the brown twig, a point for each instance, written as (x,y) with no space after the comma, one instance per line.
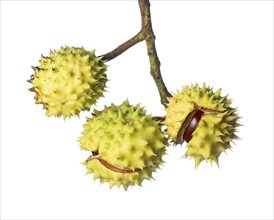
(146,34)
(123,47)
(151,50)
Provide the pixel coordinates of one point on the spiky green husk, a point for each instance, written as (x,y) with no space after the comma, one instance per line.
(214,133)
(70,80)
(124,136)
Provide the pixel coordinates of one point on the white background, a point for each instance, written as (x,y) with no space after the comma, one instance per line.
(227,44)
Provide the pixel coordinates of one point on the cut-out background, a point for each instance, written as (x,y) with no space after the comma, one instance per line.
(227,44)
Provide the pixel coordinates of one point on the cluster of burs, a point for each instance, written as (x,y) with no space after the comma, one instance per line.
(126,144)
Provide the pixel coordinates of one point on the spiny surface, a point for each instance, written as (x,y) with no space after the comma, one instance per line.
(126,137)
(215,131)
(70,80)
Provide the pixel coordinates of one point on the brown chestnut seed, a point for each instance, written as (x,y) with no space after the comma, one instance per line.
(192,126)
(180,135)
(116,168)
(96,155)
(195,115)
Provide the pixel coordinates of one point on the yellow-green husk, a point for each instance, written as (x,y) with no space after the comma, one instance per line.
(214,133)
(69,81)
(124,136)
